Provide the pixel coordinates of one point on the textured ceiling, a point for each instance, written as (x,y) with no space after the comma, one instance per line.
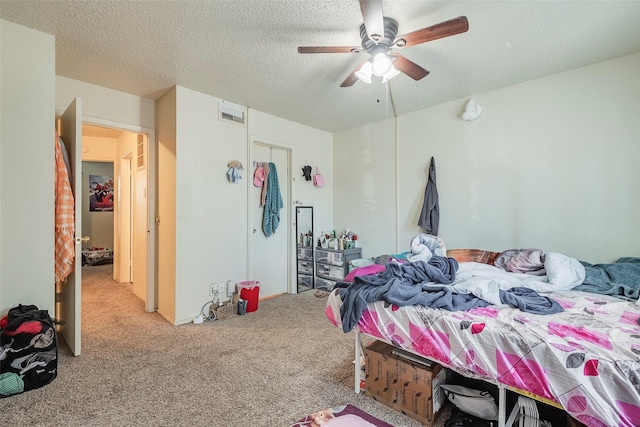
(246,51)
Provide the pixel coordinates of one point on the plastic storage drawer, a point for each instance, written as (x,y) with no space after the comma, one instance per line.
(335,258)
(330,271)
(305,267)
(305,254)
(324,284)
(304,282)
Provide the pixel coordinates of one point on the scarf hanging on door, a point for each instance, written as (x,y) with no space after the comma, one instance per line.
(64,216)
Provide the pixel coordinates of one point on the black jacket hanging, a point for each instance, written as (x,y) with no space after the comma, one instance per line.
(430,215)
(306,172)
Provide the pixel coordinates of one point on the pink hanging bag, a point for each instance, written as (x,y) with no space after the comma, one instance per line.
(318,180)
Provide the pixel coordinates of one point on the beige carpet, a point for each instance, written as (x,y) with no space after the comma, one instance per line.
(270,367)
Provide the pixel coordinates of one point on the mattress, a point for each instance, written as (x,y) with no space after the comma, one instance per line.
(585,359)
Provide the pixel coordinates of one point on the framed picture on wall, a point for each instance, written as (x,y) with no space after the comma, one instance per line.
(100,193)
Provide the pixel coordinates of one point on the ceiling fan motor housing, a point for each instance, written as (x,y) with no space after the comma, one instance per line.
(390,32)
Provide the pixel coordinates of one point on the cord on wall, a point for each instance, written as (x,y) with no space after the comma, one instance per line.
(211,314)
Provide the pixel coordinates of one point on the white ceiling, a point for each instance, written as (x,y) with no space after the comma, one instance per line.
(246,51)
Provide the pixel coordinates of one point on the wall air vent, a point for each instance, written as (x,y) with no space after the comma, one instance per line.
(232,112)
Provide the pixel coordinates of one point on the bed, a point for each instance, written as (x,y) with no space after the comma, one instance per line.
(583,358)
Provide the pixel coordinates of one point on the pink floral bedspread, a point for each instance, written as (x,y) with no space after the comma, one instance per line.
(587,358)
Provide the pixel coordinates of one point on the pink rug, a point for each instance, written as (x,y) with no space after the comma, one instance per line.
(340,416)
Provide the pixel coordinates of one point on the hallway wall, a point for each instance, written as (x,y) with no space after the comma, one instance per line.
(97,225)
(27,70)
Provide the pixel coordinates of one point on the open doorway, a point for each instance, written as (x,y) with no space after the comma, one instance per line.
(116,228)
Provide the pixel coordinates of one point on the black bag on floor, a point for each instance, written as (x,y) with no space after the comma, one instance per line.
(28,350)
(460,418)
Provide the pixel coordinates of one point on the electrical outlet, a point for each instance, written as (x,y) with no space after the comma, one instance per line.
(218,288)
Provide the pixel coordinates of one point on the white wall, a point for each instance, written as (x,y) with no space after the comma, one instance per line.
(365,190)
(166,200)
(211,214)
(105,104)
(551,163)
(27,119)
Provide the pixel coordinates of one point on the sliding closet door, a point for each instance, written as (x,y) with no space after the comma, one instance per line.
(270,255)
(70,291)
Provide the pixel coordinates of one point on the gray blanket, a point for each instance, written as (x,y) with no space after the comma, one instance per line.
(427,284)
(621,278)
(405,284)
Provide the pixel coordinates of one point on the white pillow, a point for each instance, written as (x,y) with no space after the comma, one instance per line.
(564,272)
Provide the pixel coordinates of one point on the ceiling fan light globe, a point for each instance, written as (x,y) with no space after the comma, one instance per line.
(390,74)
(364,73)
(381,64)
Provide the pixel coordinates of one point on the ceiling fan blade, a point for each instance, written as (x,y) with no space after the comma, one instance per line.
(408,67)
(373,18)
(444,29)
(352,78)
(329,49)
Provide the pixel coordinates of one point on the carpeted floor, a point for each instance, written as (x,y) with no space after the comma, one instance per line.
(270,367)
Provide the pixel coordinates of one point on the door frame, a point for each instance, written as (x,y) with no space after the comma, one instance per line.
(151,303)
(252,141)
(124,218)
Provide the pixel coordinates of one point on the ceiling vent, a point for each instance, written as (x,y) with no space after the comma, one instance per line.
(232,112)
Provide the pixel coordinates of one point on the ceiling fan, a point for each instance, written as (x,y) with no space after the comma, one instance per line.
(379,38)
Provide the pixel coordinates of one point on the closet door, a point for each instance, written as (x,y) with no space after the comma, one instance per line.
(70,292)
(270,255)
